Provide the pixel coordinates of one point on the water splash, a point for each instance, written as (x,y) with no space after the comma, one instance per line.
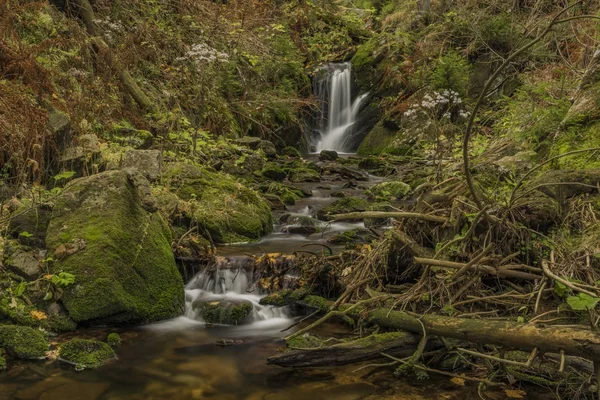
(230,280)
(339,112)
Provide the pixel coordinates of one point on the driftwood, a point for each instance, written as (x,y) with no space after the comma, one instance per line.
(400,344)
(391,214)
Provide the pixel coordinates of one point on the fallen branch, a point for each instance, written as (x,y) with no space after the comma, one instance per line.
(577,342)
(565,282)
(481,268)
(391,214)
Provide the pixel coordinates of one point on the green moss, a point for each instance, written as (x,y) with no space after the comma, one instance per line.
(388,191)
(113,340)
(229,313)
(278,299)
(378,141)
(305,341)
(347,237)
(291,152)
(274,173)
(3,365)
(342,206)
(86,353)
(126,272)
(287,194)
(226,210)
(303,175)
(299,294)
(59,323)
(23,341)
(317,302)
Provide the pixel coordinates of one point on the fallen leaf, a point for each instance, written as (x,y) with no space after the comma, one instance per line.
(458,381)
(515,394)
(39,315)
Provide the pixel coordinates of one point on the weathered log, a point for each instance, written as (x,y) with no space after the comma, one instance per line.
(573,341)
(509,273)
(385,214)
(400,344)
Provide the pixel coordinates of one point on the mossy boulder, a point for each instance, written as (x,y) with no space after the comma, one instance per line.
(328,155)
(118,251)
(302,225)
(298,175)
(23,341)
(226,210)
(342,206)
(86,353)
(274,173)
(268,148)
(387,191)
(223,312)
(291,152)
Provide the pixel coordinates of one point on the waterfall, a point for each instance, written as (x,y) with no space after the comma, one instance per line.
(229,281)
(338,111)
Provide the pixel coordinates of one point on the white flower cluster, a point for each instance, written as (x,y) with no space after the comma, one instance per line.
(78,73)
(438,102)
(109,24)
(203,52)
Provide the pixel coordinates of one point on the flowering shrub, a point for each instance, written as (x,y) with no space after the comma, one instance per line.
(202,52)
(439,105)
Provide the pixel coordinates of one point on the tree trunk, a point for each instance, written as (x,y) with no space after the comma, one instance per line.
(87,15)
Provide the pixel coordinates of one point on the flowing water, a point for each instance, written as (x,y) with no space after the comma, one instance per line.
(338,109)
(185,358)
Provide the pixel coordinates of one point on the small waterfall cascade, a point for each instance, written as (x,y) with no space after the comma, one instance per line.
(229,282)
(338,110)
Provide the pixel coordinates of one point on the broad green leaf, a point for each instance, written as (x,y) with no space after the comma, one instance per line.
(582,302)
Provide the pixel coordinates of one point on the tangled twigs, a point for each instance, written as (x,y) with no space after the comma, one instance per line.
(526,364)
(570,285)
(437,371)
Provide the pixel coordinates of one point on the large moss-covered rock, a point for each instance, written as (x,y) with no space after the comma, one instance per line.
(23,341)
(224,209)
(86,353)
(119,252)
(342,206)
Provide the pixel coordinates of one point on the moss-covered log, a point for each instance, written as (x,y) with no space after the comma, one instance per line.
(399,344)
(573,341)
(383,214)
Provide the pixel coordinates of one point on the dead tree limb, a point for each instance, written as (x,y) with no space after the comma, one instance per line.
(391,214)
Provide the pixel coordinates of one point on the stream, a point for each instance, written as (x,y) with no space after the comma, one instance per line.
(185,358)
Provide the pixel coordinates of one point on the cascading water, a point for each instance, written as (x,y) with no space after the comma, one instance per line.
(339,112)
(230,281)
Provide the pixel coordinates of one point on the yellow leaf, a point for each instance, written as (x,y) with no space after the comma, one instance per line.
(458,381)
(39,315)
(515,394)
